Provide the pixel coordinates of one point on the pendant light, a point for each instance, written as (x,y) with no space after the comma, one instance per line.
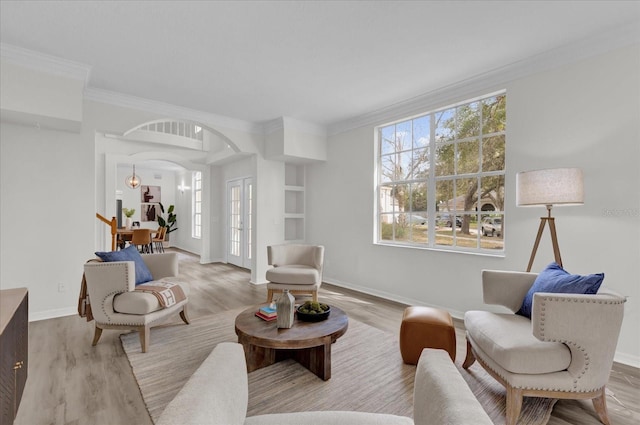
(133,181)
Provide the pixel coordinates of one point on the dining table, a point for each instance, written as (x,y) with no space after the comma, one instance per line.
(125,235)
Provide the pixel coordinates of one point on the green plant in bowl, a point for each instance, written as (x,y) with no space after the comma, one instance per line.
(313,311)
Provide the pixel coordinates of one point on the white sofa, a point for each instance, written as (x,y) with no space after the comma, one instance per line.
(217,394)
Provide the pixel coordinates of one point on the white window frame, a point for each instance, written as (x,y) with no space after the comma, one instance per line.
(430,181)
(196,205)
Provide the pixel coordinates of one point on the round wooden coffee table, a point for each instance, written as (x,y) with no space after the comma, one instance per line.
(309,343)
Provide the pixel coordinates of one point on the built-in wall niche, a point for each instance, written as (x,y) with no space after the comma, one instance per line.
(294,175)
(294,229)
(294,201)
(294,210)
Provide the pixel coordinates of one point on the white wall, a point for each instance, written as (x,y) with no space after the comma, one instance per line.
(47,215)
(582,115)
(31,96)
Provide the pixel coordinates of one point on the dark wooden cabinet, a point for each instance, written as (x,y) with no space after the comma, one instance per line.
(14,327)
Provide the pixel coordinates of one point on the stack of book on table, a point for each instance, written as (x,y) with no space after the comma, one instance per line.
(267,313)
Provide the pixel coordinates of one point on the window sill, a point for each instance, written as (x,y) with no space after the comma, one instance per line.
(487,253)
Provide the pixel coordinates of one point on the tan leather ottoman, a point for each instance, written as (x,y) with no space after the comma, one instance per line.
(426,327)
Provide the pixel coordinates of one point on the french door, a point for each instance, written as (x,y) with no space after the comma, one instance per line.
(239,207)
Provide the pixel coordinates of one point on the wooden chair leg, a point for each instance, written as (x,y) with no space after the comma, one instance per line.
(269,295)
(514,404)
(315,296)
(96,336)
(600,404)
(183,315)
(470,359)
(144,337)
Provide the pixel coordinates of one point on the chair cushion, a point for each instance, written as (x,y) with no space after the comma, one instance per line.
(136,302)
(294,275)
(130,253)
(557,280)
(508,340)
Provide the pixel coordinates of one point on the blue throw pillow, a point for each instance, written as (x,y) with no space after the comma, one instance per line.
(130,253)
(555,279)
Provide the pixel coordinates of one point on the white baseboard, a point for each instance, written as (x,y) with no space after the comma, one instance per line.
(627,359)
(35,316)
(211,260)
(391,297)
(619,357)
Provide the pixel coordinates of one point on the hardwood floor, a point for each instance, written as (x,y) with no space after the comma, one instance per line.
(72,383)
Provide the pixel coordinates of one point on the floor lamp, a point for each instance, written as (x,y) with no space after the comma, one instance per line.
(558,186)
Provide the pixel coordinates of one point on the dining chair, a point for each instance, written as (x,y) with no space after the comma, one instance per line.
(158,239)
(142,240)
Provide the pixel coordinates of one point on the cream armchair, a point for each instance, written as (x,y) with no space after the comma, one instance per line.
(565,351)
(297,268)
(115,304)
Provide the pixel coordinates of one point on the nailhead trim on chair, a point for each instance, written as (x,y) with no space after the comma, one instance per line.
(581,349)
(577,347)
(102,303)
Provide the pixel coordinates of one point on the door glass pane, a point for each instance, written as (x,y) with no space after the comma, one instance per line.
(249,220)
(234,218)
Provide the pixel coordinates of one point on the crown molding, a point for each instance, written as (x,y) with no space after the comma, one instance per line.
(169,110)
(45,63)
(497,78)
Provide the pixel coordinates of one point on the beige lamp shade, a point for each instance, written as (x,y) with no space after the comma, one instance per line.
(556,186)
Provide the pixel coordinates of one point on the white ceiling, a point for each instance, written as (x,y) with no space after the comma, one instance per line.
(317,61)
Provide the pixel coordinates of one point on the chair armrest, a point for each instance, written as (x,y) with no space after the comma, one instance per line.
(441,395)
(506,288)
(110,277)
(162,265)
(588,324)
(105,280)
(216,394)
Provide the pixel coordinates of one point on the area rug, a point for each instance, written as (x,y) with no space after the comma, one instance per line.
(367,373)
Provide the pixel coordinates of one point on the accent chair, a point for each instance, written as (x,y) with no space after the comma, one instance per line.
(296,267)
(565,351)
(116,305)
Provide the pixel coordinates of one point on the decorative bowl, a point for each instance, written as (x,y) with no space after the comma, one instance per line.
(310,317)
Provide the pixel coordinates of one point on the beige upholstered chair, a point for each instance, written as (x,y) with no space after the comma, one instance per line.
(297,268)
(565,351)
(115,304)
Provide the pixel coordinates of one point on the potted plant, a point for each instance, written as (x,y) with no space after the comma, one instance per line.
(170,222)
(129,213)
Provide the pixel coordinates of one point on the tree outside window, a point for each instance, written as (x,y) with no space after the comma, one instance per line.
(441,177)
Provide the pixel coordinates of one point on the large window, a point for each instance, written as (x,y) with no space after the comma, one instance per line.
(196,183)
(440,178)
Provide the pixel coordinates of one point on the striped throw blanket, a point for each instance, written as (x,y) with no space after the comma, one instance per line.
(167,293)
